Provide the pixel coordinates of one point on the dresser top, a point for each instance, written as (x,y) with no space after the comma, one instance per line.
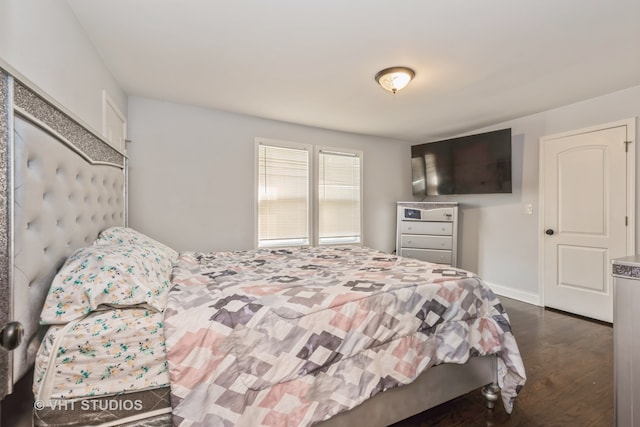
(428,205)
(627,267)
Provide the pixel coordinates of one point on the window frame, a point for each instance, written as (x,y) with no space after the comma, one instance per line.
(316,188)
(256,187)
(313,219)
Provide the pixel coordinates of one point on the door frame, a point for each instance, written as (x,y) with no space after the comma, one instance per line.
(631,189)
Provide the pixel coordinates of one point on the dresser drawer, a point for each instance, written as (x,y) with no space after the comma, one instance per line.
(429,255)
(439,214)
(424,227)
(426,241)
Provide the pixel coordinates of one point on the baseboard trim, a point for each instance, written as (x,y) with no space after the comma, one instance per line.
(516,294)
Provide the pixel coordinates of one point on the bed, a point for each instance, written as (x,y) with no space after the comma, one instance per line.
(66,204)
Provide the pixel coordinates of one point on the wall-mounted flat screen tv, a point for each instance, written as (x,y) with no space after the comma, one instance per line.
(474,164)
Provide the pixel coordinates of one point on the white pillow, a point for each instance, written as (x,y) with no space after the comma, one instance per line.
(102,276)
(129,236)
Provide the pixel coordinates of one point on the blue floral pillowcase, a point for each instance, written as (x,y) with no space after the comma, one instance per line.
(110,274)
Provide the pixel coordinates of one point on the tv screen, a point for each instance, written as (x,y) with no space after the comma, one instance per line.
(474,164)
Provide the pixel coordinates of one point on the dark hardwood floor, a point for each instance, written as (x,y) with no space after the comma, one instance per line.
(569,365)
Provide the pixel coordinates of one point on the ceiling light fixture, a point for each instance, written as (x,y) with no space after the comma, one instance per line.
(395,78)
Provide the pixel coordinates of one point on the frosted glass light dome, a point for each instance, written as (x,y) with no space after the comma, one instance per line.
(395,78)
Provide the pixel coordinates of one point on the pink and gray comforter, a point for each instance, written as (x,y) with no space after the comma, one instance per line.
(291,337)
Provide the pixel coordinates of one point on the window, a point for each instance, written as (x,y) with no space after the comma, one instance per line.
(339,212)
(286,204)
(283,195)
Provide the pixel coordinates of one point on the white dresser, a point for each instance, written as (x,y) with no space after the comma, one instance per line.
(626,340)
(428,231)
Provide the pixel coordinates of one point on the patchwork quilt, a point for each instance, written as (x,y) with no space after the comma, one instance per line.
(290,337)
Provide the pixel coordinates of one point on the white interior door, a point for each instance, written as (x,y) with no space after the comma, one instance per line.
(587,185)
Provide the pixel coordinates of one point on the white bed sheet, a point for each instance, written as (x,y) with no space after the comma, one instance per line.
(106,352)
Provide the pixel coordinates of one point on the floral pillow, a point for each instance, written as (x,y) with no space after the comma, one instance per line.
(108,275)
(129,236)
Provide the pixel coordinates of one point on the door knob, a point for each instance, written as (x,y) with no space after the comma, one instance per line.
(549,232)
(11,335)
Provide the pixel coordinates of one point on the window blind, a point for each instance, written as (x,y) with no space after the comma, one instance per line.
(283,196)
(339,194)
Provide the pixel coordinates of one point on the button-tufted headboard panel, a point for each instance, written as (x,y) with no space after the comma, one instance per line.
(60,185)
(62,200)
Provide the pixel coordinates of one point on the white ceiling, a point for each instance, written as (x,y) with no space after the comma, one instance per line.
(313,62)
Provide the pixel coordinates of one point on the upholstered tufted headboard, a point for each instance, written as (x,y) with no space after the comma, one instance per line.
(64,185)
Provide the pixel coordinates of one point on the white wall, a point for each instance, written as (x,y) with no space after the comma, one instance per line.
(44,42)
(191,175)
(498,240)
